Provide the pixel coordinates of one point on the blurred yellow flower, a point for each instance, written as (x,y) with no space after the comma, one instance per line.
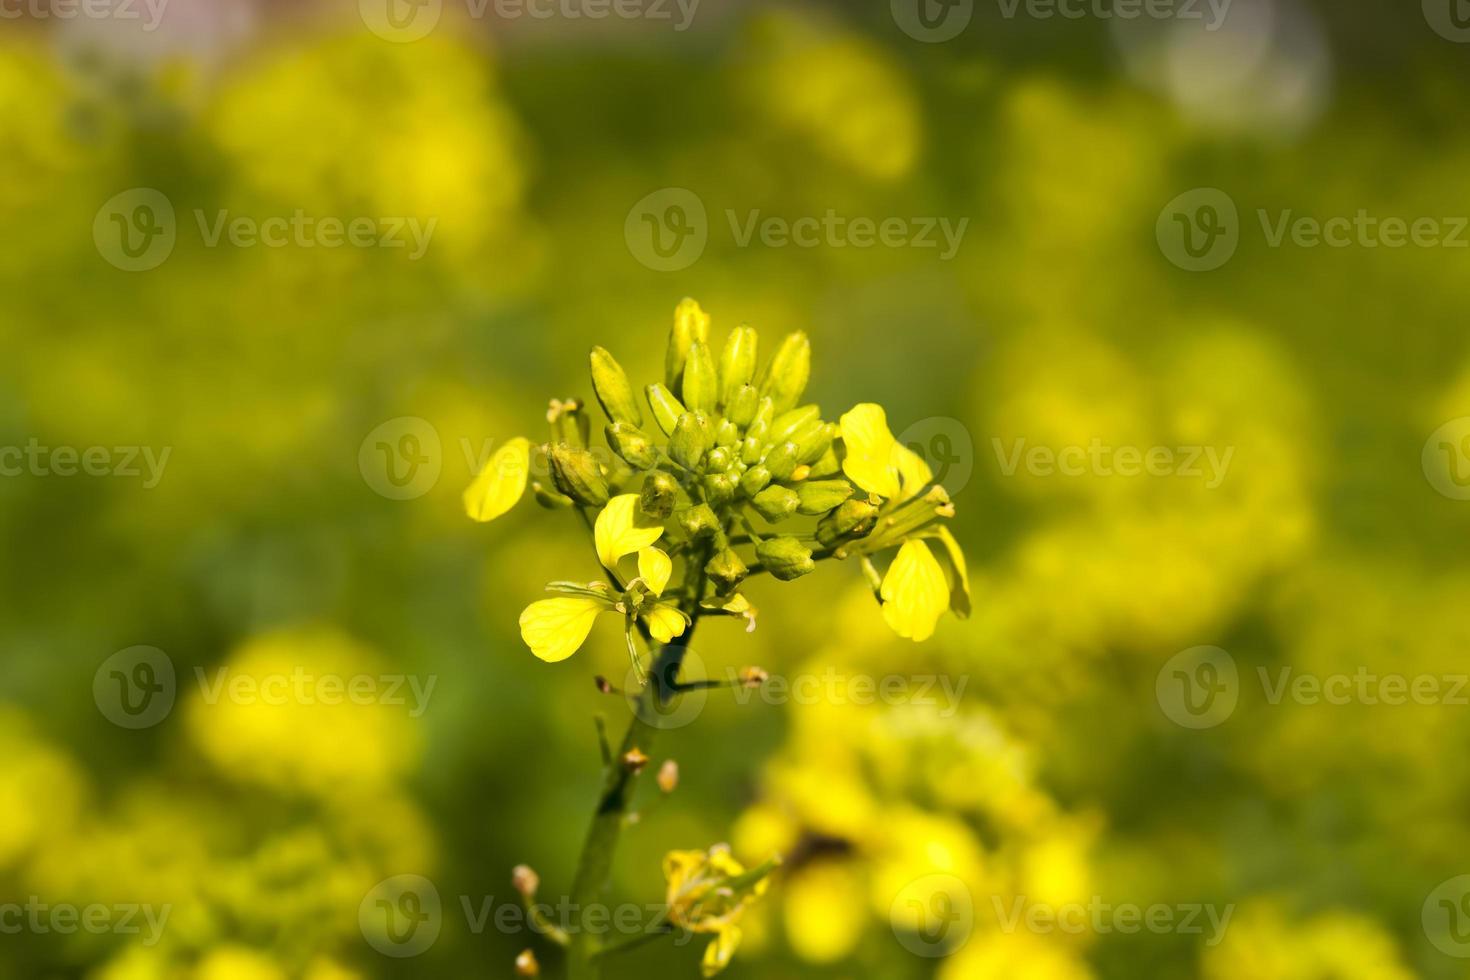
(708,891)
(501,483)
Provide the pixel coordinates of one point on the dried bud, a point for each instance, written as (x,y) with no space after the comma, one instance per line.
(701,385)
(634,760)
(603,685)
(698,521)
(852,517)
(576,474)
(526,965)
(753,676)
(740,408)
(691,439)
(525,880)
(690,324)
(785,557)
(737,362)
(613,390)
(569,422)
(629,442)
(659,493)
(754,480)
(820,496)
(668,776)
(789,371)
(782,460)
(776,503)
(726,570)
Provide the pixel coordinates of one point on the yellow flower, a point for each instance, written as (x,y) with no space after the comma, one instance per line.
(554,629)
(654,567)
(618,533)
(665,623)
(501,483)
(876,461)
(915,592)
(708,891)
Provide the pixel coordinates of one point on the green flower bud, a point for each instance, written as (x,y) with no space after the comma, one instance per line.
(826,465)
(775,503)
(549,499)
(852,518)
(720,488)
(740,408)
(751,450)
(718,460)
(754,480)
(614,392)
(660,491)
(701,384)
(576,474)
(691,439)
(666,408)
(727,434)
(737,363)
(785,557)
(782,460)
(765,414)
(698,521)
(787,374)
(629,442)
(690,324)
(726,570)
(788,424)
(820,496)
(812,444)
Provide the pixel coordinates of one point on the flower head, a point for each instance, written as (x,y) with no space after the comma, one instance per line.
(708,891)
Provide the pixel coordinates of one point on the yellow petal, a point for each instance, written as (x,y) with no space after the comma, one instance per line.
(501,483)
(914,592)
(870,450)
(717,954)
(654,567)
(664,623)
(616,532)
(914,474)
(959,598)
(555,628)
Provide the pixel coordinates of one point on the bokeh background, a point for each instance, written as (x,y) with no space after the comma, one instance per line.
(1333,545)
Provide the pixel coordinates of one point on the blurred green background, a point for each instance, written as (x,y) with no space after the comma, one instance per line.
(272,540)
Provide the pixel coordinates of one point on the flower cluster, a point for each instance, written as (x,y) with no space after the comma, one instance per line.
(708,891)
(728,474)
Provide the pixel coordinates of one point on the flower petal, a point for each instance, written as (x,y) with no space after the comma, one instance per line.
(870,450)
(501,483)
(555,628)
(717,954)
(617,533)
(959,586)
(665,623)
(915,593)
(654,567)
(914,474)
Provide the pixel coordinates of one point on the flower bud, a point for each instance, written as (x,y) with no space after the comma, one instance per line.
(668,776)
(526,964)
(666,408)
(629,442)
(789,371)
(719,488)
(737,362)
(775,503)
(576,474)
(787,424)
(701,384)
(782,460)
(726,570)
(525,880)
(569,422)
(820,496)
(754,480)
(718,460)
(549,499)
(634,759)
(785,557)
(740,408)
(811,445)
(765,414)
(614,392)
(727,434)
(691,439)
(826,465)
(751,450)
(657,497)
(851,518)
(690,324)
(698,521)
